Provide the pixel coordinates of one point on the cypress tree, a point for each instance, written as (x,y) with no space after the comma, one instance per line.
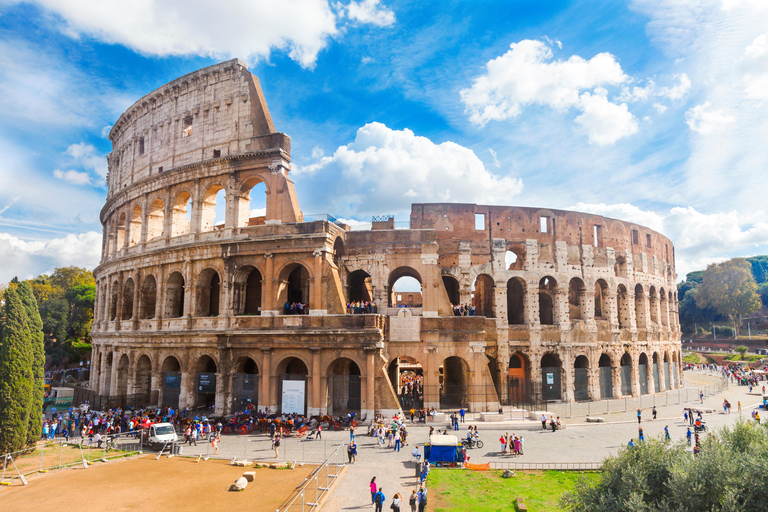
(15,375)
(38,361)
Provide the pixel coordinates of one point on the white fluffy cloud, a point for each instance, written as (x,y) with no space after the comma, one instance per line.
(526,75)
(27,259)
(250,29)
(705,120)
(89,158)
(74,177)
(699,238)
(385,170)
(368,11)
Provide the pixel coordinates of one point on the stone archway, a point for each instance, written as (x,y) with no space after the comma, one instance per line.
(581,378)
(454,388)
(344,387)
(245,384)
(407,378)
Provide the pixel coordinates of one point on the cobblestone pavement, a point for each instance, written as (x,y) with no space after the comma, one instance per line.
(579,442)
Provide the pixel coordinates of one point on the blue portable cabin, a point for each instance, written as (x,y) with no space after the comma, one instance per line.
(443,449)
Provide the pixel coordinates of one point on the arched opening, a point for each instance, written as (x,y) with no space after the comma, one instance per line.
(516,301)
(642,372)
(209,292)
(252,203)
(451,285)
(292,377)
(581,379)
(113,301)
(174,296)
(294,290)
(601,299)
(454,383)
(252,304)
(547,289)
(155,219)
(128,289)
(214,208)
(205,382)
(513,261)
(344,387)
(626,374)
(653,301)
(576,293)
(135,226)
(122,376)
(606,377)
(171,372)
(656,379)
(181,219)
(482,298)
(406,374)
(620,267)
(519,388)
(640,309)
(245,385)
(142,381)
(120,234)
(550,377)
(622,306)
(667,374)
(405,288)
(664,306)
(148,298)
(338,252)
(360,286)
(107,391)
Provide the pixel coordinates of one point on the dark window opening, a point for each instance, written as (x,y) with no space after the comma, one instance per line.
(216,153)
(141,146)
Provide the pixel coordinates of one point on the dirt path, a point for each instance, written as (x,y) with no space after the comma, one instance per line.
(144,483)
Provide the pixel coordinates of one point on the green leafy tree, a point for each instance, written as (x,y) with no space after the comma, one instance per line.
(762,291)
(16,375)
(730,289)
(741,349)
(37,346)
(729,475)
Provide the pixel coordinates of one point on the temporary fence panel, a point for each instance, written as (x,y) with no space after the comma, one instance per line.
(667,376)
(550,379)
(580,384)
(642,369)
(626,380)
(344,392)
(656,379)
(606,382)
(245,390)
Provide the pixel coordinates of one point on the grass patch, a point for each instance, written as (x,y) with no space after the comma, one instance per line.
(692,358)
(486,491)
(749,358)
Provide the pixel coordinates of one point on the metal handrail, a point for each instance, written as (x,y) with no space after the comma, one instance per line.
(303,490)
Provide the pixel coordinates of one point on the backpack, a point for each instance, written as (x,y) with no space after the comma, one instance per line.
(378,498)
(414,499)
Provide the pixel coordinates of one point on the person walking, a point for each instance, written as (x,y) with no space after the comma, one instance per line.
(352,452)
(319,432)
(640,435)
(276,445)
(397,441)
(654,412)
(378,500)
(543,422)
(374,490)
(666,433)
(413,501)
(639,416)
(688,436)
(461,413)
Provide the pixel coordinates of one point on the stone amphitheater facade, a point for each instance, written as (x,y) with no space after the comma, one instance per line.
(568,306)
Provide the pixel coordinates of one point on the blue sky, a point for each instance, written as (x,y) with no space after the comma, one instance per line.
(650,111)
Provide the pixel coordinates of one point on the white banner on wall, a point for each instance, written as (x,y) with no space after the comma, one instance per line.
(293,396)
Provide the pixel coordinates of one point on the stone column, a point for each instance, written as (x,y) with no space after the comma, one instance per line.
(223,399)
(265,389)
(269,305)
(138,281)
(616,378)
(369,407)
(651,377)
(156,383)
(567,374)
(635,374)
(315,404)
(316,295)
(610,309)
(531,311)
(186,398)
(561,316)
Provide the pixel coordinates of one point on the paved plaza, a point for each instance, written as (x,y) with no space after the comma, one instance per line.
(578,442)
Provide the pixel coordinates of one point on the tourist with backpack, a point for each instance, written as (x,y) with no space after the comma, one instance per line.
(378,500)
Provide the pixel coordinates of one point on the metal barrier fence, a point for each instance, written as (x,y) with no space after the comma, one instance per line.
(541,466)
(60,453)
(312,490)
(672,397)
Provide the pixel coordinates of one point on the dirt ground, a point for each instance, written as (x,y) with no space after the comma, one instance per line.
(143,483)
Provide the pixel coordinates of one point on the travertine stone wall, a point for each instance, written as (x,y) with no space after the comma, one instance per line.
(568,305)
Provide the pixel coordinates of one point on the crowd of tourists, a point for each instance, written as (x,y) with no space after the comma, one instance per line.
(362,308)
(463,310)
(296,308)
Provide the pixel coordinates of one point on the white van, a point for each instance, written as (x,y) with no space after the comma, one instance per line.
(158,435)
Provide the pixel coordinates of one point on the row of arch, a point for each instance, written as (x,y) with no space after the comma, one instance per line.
(239,384)
(662,370)
(181,214)
(128,301)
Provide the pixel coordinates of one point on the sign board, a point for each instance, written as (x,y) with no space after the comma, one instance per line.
(173,381)
(550,379)
(293,396)
(404,326)
(206,382)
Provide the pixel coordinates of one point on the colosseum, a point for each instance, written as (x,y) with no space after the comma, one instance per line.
(215,290)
